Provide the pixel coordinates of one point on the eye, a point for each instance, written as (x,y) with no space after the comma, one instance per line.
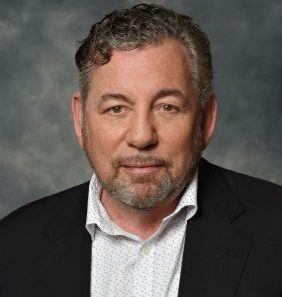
(116,109)
(169,107)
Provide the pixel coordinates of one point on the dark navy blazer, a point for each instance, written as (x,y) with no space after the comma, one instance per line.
(233,244)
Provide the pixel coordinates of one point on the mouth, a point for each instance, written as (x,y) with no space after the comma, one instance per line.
(138,165)
(141,168)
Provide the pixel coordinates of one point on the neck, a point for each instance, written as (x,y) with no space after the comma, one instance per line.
(141,222)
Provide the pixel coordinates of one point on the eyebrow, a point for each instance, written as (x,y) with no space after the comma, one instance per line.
(160,94)
(170,92)
(116,96)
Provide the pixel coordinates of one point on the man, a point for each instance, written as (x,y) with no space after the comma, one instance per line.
(160,221)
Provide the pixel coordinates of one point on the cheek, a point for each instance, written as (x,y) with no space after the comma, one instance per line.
(178,137)
(182,150)
(103,139)
(183,144)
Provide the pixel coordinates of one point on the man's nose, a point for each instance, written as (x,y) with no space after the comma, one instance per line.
(142,133)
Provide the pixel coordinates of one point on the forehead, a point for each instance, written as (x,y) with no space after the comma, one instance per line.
(158,65)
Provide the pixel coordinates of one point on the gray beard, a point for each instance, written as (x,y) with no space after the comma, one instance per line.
(153,193)
(149,191)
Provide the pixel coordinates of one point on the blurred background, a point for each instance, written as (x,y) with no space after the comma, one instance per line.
(38,151)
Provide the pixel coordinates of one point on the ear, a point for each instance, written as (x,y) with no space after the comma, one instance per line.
(77,113)
(209,120)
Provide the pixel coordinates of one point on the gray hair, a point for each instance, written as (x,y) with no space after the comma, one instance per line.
(141,25)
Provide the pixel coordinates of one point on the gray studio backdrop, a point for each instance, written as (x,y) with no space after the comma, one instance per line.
(38,151)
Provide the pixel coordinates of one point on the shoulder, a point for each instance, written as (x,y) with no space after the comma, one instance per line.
(256,195)
(262,200)
(28,233)
(255,205)
(38,213)
(242,183)
(251,188)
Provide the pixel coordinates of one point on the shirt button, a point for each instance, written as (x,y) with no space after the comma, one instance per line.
(146,250)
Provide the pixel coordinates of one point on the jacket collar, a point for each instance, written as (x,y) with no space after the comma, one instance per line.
(215,251)
(214,257)
(64,267)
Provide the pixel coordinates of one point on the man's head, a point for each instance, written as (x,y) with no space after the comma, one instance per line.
(147,109)
(141,25)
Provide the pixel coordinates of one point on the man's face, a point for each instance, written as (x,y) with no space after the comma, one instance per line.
(142,127)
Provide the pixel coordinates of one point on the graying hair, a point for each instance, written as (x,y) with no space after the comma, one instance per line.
(141,25)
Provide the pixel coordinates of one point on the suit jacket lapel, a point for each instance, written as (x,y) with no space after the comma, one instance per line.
(65,263)
(215,252)
(214,256)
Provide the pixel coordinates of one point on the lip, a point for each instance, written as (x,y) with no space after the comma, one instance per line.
(141,168)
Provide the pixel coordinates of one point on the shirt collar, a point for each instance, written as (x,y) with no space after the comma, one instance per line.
(97,215)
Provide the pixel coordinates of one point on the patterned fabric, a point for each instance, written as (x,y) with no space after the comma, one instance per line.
(125,265)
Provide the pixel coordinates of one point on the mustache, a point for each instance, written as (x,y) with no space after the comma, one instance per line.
(140,160)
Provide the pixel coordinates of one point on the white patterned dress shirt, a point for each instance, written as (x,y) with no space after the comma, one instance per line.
(123,264)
